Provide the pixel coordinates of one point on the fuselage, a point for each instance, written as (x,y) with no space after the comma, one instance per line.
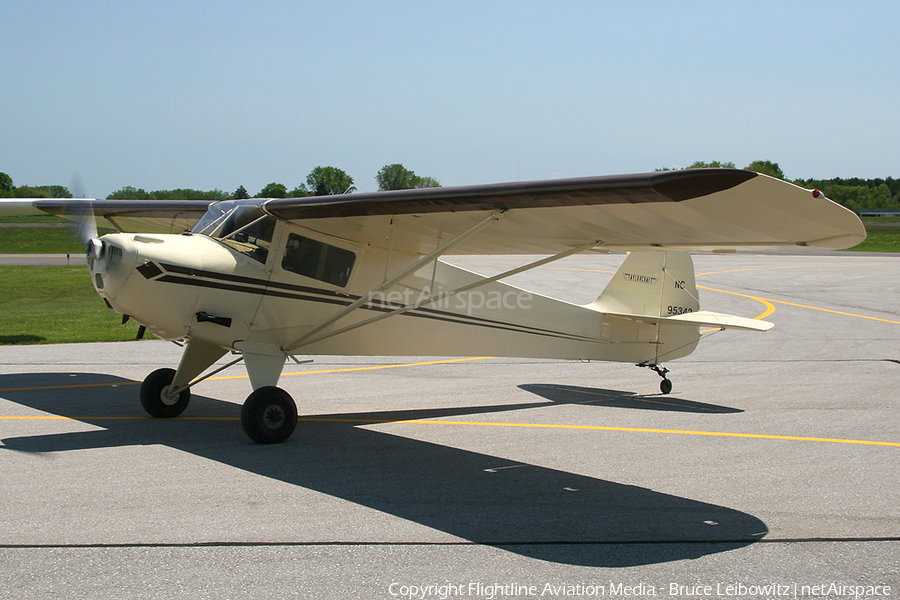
(273,284)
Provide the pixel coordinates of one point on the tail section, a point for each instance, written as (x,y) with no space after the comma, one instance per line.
(652,303)
(653,284)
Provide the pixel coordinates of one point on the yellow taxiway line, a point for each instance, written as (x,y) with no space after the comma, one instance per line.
(726,434)
(770,306)
(664,431)
(344,370)
(762,436)
(424,421)
(770,303)
(767,302)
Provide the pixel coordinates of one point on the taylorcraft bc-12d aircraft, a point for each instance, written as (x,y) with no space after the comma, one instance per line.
(359,274)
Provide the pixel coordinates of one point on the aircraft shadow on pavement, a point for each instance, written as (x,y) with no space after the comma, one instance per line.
(527,509)
(570,394)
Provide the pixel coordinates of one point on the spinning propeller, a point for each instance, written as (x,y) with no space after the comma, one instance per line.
(90,237)
(87,226)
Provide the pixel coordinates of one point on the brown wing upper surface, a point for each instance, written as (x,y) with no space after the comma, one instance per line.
(703,209)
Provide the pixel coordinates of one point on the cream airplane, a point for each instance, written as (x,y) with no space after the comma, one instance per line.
(360,274)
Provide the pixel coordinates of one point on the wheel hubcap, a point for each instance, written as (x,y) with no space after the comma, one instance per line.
(274,417)
(166,398)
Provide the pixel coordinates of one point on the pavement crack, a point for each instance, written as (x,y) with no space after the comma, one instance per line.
(498,543)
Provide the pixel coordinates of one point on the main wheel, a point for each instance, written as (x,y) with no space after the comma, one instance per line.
(155,397)
(269,415)
(665,386)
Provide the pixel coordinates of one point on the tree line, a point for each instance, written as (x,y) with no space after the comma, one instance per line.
(8,190)
(855,193)
(321,181)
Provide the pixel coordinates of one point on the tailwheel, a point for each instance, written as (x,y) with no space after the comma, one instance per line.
(157,399)
(665,386)
(269,415)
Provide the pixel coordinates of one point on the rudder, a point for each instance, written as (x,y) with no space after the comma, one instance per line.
(647,285)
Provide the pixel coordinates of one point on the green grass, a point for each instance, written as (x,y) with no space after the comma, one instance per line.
(868,220)
(41,235)
(40,240)
(882,235)
(34,219)
(880,240)
(54,305)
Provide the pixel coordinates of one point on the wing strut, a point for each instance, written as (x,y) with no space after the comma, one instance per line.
(410,269)
(308,339)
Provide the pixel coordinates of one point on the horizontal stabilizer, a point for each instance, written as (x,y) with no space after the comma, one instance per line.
(706,318)
(703,318)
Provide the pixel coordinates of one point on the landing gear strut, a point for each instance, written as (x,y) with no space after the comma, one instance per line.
(269,415)
(665,386)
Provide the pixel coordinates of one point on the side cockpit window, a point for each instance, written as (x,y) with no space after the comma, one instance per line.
(318,260)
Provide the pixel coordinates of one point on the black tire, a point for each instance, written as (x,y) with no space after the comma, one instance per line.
(269,415)
(153,397)
(665,386)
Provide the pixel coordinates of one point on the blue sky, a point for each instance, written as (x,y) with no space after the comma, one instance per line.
(170,94)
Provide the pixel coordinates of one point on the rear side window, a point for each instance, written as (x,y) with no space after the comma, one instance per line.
(318,260)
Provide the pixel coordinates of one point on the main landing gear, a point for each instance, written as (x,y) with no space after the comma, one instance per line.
(156,396)
(665,386)
(269,415)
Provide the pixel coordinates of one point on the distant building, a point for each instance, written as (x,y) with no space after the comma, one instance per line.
(879,212)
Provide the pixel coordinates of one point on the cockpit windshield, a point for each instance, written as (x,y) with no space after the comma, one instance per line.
(241,225)
(225,217)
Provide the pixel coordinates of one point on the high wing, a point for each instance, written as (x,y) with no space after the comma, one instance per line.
(694,209)
(143,216)
(699,209)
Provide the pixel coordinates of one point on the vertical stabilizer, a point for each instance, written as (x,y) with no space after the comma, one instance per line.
(658,284)
(647,285)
